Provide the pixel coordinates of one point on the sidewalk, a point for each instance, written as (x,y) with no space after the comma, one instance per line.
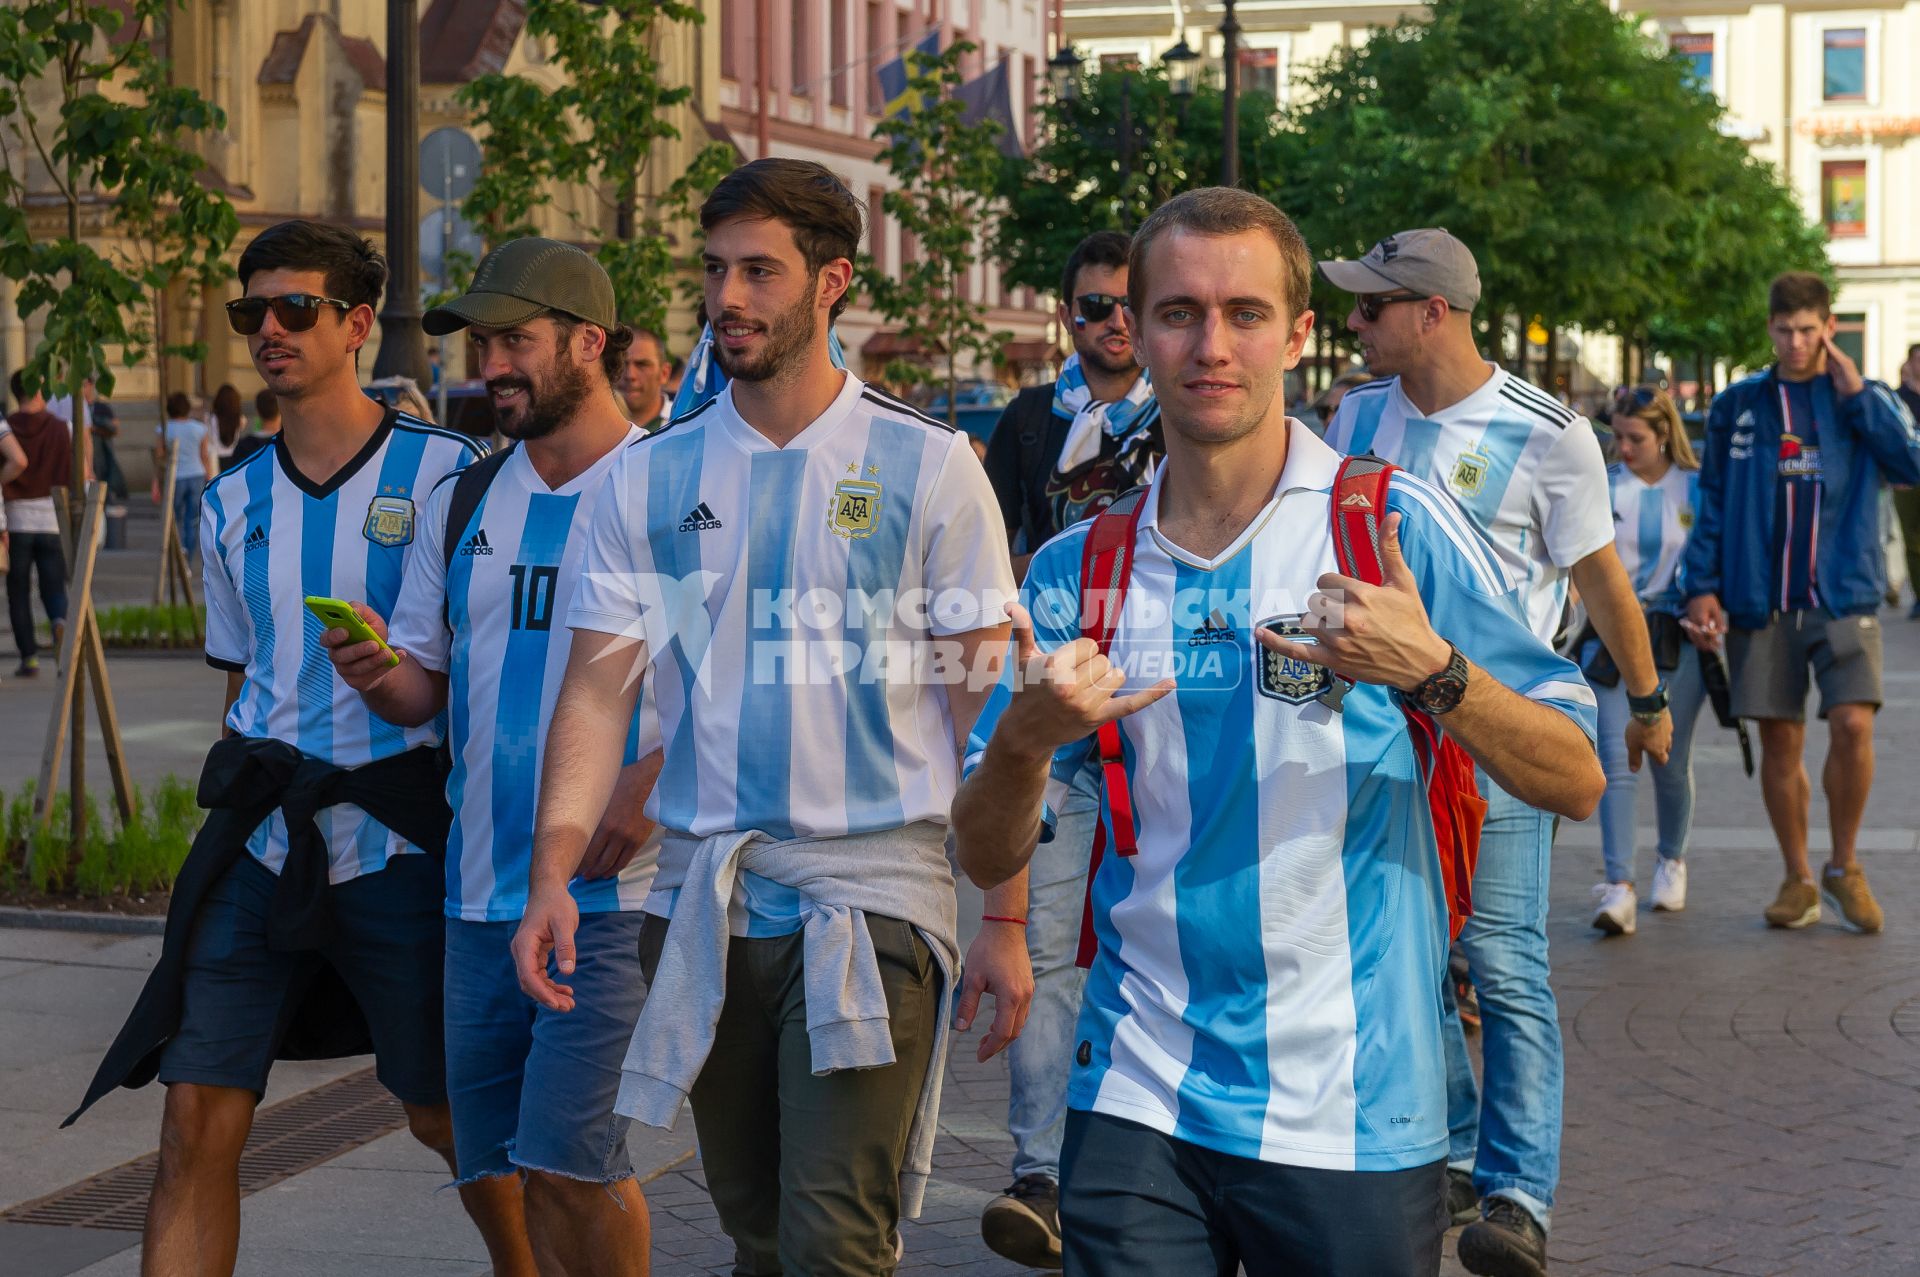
(1738,1100)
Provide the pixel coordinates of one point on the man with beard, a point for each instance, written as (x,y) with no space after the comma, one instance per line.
(1102,416)
(312,930)
(800,568)
(642,383)
(498,560)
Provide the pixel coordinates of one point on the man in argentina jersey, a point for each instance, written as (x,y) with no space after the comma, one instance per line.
(330,509)
(532,1088)
(1259,1079)
(1528,474)
(782,565)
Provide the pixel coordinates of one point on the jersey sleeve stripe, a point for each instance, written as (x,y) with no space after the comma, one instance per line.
(1545,402)
(689,415)
(888,402)
(231,667)
(473,445)
(1560,419)
(1465,539)
(1574,693)
(253,460)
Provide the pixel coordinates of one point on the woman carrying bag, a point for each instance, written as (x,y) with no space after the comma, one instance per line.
(1653,486)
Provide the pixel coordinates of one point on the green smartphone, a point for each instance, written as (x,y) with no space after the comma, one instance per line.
(337,614)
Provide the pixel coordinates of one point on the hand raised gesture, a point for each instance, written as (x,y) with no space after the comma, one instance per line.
(1847,381)
(1370,633)
(1065,695)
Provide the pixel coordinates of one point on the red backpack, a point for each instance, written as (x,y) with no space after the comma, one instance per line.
(1359,503)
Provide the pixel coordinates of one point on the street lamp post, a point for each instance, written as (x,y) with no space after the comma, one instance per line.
(1063,74)
(403,347)
(1230,100)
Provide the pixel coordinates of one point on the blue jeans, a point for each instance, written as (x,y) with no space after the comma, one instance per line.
(533,1089)
(1511,1136)
(1039,1059)
(186,512)
(1672,782)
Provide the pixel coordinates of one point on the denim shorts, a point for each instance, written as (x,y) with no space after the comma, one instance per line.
(531,1088)
(239,994)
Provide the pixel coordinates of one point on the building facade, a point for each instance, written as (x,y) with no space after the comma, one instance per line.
(1825,91)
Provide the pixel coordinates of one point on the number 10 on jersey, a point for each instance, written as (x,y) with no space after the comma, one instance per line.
(533,591)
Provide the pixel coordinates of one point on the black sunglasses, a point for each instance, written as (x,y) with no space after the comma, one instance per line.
(1095,307)
(1371,304)
(295,312)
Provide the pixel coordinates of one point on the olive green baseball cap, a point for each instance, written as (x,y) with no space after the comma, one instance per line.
(524,278)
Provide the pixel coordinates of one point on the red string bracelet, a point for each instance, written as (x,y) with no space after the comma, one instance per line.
(989,917)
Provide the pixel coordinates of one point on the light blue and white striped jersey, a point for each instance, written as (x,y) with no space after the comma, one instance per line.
(271,537)
(1270,961)
(1527,471)
(1651,522)
(789,599)
(488,622)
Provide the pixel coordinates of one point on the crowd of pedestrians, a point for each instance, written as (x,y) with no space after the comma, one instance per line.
(1239,721)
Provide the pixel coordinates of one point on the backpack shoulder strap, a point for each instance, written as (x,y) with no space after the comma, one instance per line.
(1359,504)
(469,485)
(1106,568)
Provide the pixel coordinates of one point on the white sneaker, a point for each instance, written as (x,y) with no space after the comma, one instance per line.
(1669,884)
(1614,907)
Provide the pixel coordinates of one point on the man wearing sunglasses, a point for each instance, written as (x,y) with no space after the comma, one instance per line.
(310,919)
(1061,452)
(1528,473)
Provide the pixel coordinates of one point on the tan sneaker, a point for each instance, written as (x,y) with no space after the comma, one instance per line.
(1797,905)
(1847,890)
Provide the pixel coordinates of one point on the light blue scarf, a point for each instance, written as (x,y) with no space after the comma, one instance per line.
(1125,420)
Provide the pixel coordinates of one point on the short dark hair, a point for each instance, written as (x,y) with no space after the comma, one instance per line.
(18,385)
(1224,210)
(613,356)
(266,405)
(356,272)
(814,204)
(179,406)
(1799,290)
(659,343)
(1102,248)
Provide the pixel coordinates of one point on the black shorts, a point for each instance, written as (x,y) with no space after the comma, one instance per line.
(1135,1201)
(388,946)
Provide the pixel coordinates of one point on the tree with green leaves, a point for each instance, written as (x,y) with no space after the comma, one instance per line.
(1552,136)
(1114,152)
(598,129)
(945,197)
(89,114)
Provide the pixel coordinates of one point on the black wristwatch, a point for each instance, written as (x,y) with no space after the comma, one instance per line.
(1440,693)
(1649,708)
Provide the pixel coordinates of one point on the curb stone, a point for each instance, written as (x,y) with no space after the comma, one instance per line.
(122,924)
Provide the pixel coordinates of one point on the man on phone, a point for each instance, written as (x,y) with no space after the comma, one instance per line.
(1785,563)
(499,559)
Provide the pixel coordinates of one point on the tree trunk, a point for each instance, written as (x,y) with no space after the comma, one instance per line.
(1553,361)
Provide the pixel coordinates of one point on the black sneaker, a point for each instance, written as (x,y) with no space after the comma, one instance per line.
(1023,1223)
(29,668)
(1507,1242)
(1463,1204)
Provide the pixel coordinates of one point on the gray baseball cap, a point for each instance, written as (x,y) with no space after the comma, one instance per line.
(527,277)
(1428,261)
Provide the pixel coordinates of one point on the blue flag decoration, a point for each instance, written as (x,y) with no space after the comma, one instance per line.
(989,100)
(895,76)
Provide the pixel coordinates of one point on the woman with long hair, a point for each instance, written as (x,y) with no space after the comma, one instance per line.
(229,419)
(1653,487)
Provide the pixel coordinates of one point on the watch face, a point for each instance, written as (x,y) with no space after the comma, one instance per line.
(1440,693)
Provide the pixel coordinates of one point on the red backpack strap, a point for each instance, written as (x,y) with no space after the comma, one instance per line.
(1106,568)
(1359,503)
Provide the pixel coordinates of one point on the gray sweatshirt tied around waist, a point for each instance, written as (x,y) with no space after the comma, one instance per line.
(894,873)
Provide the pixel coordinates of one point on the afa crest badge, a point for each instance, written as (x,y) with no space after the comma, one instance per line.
(1282,677)
(389,521)
(1470,473)
(855,510)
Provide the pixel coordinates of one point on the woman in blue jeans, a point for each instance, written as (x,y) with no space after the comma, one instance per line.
(1653,484)
(186,433)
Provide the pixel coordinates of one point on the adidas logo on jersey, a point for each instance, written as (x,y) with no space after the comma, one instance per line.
(477,544)
(1214,629)
(256,539)
(700,519)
